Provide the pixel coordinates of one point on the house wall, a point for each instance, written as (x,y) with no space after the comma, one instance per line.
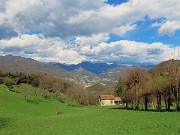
(106,102)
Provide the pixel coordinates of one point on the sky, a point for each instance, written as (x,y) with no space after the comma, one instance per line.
(72,31)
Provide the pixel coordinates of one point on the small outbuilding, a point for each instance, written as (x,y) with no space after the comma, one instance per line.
(109,100)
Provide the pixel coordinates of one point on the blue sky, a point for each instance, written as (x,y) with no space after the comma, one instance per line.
(144,31)
(148,34)
(116,2)
(72,31)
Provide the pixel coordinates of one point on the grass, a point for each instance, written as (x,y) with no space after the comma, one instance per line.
(19,117)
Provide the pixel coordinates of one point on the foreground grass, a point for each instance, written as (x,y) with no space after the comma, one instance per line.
(19,117)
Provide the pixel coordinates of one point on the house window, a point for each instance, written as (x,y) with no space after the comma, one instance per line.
(111,102)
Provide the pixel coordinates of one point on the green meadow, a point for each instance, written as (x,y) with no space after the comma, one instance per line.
(37,116)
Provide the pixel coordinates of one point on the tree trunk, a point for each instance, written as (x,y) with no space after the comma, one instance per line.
(137,105)
(136,99)
(158,96)
(165,100)
(132,105)
(177,99)
(146,102)
(127,106)
(169,101)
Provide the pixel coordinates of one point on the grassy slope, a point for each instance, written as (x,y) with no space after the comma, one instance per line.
(20,117)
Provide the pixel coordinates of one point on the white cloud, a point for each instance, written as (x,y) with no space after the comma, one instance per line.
(91,40)
(122,30)
(40,48)
(131,52)
(156,24)
(169,28)
(83,17)
(57,50)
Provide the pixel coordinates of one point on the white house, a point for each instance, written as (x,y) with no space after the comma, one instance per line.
(109,100)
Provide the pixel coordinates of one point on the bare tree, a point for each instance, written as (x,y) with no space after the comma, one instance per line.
(146,88)
(76,92)
(132,83)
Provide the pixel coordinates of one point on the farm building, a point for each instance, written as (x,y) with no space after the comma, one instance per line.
(109,100)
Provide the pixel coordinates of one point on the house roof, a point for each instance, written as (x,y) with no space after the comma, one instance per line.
(117,99)
(106,97)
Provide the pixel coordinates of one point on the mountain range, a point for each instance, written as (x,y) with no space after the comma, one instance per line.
(85,73)
(96,68)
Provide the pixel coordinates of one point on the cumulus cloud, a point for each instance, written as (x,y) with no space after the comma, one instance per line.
(169,28)
(71,18)
(122,30)
(58,50)
(131,51)
(40,48)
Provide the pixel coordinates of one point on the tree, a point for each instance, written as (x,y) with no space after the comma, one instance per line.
(46,86)
(146,88)
(22,78)
(35,82)
(119,88)
(158,89)
(9,84)
(76,92)
(173,72)
(132,83)
(177,84)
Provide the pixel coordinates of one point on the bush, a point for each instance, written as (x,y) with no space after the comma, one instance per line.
(9,83)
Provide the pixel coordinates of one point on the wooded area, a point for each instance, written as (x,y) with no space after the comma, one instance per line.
(149,89)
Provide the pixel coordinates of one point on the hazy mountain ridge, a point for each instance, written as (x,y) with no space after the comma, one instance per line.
(88,73)
(96,68)
(21,64)
(88,78)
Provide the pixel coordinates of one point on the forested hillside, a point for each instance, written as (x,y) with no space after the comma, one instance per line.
(159,85)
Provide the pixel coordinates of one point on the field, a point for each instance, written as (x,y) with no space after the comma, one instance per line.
(19,117)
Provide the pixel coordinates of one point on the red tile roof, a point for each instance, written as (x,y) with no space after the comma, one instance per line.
(106,97)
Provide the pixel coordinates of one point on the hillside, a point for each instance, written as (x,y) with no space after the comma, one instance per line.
(83,76)
(115,73)
(97,87)
(28,65)
(164,66)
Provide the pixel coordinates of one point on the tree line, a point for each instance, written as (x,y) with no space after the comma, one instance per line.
(151,89)
(47,85)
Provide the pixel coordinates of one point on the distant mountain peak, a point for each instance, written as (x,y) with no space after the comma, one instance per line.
(94,67)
